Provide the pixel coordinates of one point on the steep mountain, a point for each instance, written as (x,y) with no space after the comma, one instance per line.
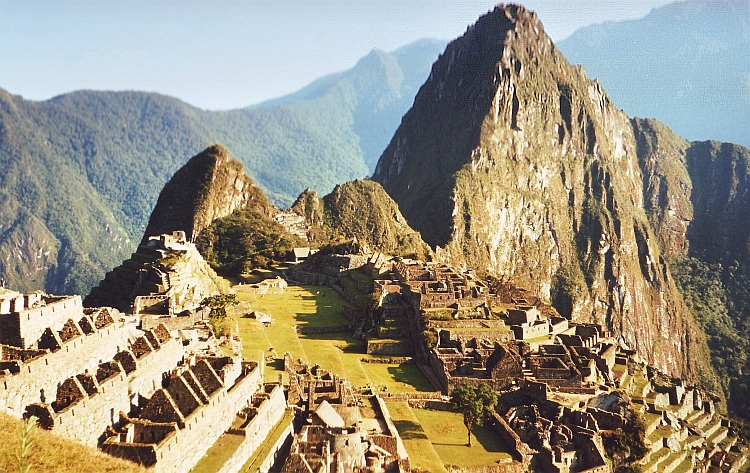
(685,64)
(210,185)
(235,228)
(82,171)
(363,210)
(513,162)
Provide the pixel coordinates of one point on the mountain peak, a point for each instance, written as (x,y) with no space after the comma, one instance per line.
(209,186)
(475,78)
(513,162)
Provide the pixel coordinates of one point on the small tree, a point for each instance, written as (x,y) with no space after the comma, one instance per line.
(474,402)
(218,305)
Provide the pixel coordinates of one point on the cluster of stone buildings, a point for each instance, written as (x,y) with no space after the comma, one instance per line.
(148,385)
(556,376)
(165,278)
(334,433)
(154,393)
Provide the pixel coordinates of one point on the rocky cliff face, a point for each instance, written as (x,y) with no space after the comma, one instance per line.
(513,162)
(209,186)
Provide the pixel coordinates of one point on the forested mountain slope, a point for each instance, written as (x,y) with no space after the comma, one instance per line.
(81,172)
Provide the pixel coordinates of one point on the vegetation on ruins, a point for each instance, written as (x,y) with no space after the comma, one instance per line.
(170,260)
(474,402)
(245,240)
(218,316)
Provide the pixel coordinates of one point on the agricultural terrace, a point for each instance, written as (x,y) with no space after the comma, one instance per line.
(339,352)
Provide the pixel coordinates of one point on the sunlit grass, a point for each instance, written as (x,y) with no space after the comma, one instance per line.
(421,452)
(339,352)
(53,454)
(448,435)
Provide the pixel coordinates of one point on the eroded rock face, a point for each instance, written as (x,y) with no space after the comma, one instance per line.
(209,186)
(513,162)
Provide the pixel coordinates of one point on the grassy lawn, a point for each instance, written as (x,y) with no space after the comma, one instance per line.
(219,453)
(338,352)
(398,378)
(447,433)
(421,452)
(51,453)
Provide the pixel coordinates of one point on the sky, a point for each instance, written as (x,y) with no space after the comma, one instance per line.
(225,54)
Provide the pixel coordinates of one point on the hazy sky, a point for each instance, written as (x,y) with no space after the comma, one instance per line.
(223,54)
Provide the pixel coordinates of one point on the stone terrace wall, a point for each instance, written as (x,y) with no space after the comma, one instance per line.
(150,367)
(400,448)
(172,323)
(267,416)
(23,328)
(41,375)
(86,419)
(467,323)
(282,444)
(180,450)
(390,347)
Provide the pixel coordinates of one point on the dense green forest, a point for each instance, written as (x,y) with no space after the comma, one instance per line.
(719,298)
(245,240)
(82,171)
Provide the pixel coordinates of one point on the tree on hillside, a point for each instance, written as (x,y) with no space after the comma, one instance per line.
(474,402)
(218,314)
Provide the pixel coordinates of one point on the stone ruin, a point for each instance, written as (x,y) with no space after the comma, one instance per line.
(535,358)
(166,277)
(334,434)
(91,375)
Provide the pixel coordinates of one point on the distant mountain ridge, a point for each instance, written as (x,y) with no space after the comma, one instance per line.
(81,172)
(685,64)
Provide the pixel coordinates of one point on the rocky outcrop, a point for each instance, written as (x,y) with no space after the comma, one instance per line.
(513,162)
(210,185)
(362,210)
(176,271)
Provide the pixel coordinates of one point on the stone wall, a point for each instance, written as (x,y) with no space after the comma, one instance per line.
(467,323)
(264,465)
(301,329)
(518,449)
(390,347)
(386,415)
(182,448)
(470,337)
(38,378)
(98,398)
(86,420)
(23,328)
(265,417)
(178,322)
(525,332)
(314,279)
